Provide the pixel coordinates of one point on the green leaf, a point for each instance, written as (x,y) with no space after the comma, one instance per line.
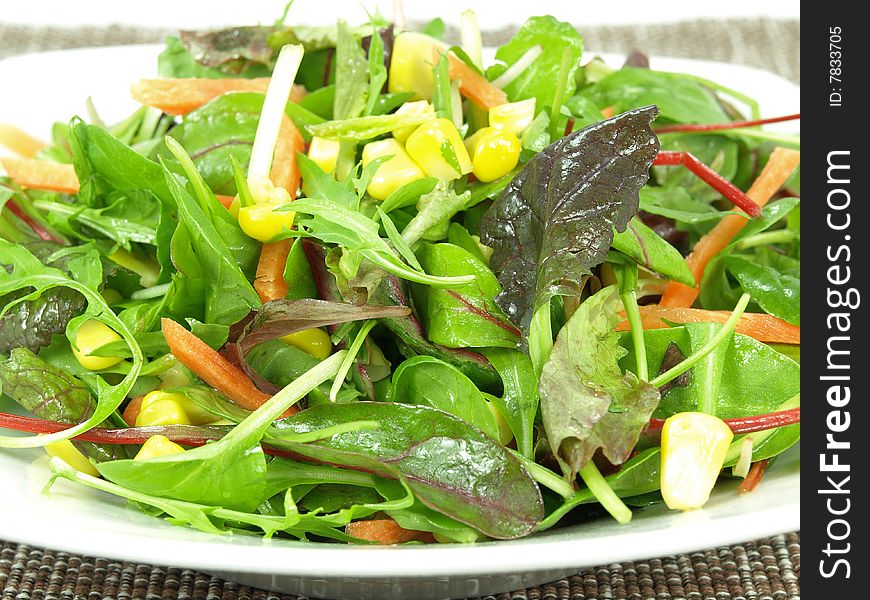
(462,316)
(450,466)
(316,183)
(434,211)
(441,96)
(539,80)
(777,294)
(361,129)
(676,203)
(555,220)
(351,74)
(587,403)
(519,403)
(427,381)
(650,250)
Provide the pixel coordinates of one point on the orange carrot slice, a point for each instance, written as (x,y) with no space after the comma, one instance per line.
(608,111)
(384,531)
(41,174)
(213,368)
(131,412)
(761,326)
(753,478)
(19,141)
(180,96)
(474,86)
(226,201)
(285,172)
(269,283)
(776,172)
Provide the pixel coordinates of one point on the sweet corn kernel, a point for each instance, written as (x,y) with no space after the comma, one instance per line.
(91,335)
(265,192)
(694,446)
(111,296)
(421,107)
(146,268)
(195,413)
(324,152)
(411,64)
(494,153)
(157,445)
(314,341)
(437,147)
(392,174)
(66,451)
(514,117)
(159,408)
(262,222)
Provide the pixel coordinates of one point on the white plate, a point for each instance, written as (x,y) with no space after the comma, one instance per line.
(75,519)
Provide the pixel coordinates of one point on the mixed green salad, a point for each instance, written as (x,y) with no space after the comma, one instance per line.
(354,284)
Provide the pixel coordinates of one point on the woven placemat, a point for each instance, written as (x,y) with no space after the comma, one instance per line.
(766,569)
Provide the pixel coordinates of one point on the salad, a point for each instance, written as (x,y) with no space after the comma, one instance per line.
(356,284)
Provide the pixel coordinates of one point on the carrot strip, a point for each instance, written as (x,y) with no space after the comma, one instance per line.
(608,111)
(285,172)
(41,174)
(779,168)
(475,86)
(213,368)
(226,201)
(753,478)
(384,531)
(761,326)
(19,141)
(131,412)
(269,283)
(180,96)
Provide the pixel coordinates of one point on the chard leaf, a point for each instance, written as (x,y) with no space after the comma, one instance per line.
(450,466)
(278,318)
(587,402)
(650,250)
(555,220)
(539,80)
(427,381)
(31,324)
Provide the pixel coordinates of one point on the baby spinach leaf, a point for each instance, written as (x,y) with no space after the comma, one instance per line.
(587,402)
(649,250)
(519,403)
(676,203)
(425,380)
(555,220)
(298,275)
(229,473)
(539,79)
(777,293)
(451,467)
(464,316)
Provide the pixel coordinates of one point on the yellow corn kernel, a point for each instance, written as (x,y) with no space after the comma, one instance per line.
(437,147)
(146,268)
(91,335)
(421,107)
(505,435)
(195,413)
(411,64)
(694,446)
(314,341)
(514,117)
(111,296)
(157,445)
(262,222)
(392,174)
(66,451)
(265,192)
(324,152)
(494,153)
(159,408)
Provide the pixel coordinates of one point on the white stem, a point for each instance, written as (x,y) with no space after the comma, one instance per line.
(277,96)
(398,15)
(516,69)
(456,103)
(471,41)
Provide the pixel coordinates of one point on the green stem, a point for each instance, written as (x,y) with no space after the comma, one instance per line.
(546,477)
(540,338)
(151,292)
(783,139)
(347,363)
(629,301)
(612,503)
(781,236)
(689,362)
(559,97)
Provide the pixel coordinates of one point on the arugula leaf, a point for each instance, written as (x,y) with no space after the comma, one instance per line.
(555,220)
(519,404)
(587,402)
(360,129)
(650,250)
(463,316)
(351,74)
(316,183)
(450,466)
(434,211)
(21,270)
(539,80)
(377,70)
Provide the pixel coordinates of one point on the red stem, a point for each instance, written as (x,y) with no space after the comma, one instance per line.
(753,478)
(569,127)
(750,424)
(722,126)
(38,229)
(710,177)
